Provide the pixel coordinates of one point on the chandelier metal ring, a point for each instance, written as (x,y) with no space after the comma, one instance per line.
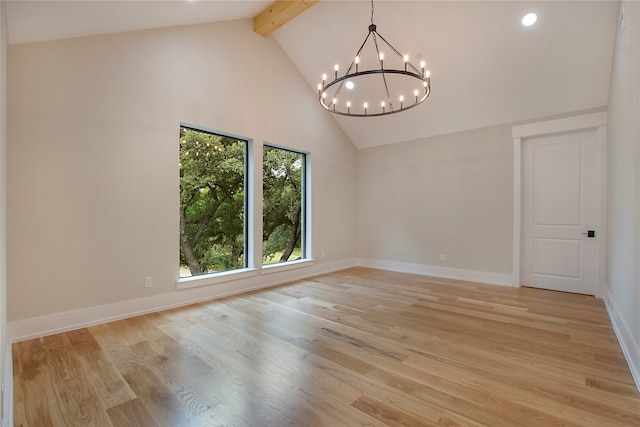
(331,107)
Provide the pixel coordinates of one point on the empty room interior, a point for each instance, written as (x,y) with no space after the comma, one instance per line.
(321,213)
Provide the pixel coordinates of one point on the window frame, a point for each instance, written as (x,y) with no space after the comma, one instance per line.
(253,255)
(248,270)
(305,212)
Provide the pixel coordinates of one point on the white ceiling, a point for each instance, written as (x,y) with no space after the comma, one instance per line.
(486,67)
(38,20)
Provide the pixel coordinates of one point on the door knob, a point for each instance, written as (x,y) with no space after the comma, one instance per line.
(590,233)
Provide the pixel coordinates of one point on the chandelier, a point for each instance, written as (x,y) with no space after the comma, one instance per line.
(371,85)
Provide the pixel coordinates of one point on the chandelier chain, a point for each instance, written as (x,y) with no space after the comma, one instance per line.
(371,12)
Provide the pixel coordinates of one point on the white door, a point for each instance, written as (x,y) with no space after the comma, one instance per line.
(560,212)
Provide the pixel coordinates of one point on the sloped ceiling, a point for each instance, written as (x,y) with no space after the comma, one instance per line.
(486,67)
(39,20)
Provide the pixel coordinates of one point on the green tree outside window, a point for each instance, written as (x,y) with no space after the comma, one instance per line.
(283,205)
(212,202)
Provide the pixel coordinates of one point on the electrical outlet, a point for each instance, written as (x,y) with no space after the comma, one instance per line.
(443,257)
(148,282)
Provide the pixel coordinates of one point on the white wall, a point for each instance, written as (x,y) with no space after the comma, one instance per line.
(623,278)
(93,163)
(450,194)
(5,346)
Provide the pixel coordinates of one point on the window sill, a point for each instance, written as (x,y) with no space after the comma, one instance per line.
(212,279)
(286,266)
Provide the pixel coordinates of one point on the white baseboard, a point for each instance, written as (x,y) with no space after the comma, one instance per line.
(35,327)
(629,345)
(489,278)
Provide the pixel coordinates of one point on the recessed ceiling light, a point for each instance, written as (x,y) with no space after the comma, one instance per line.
(529,19)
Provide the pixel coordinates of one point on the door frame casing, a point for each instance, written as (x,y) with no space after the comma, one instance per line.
(593,121)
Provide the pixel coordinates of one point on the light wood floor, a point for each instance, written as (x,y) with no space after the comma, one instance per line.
(358,347)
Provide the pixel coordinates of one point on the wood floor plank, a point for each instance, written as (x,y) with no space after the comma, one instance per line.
(112,389)
(403,400)
(187,378)
(357,347)
(287,364)
(33,386)
(388,414)
(131,413)
(521,403)
(272,383)
(241,385)
(116,348)
(77,398)
(82,341)
(161,403)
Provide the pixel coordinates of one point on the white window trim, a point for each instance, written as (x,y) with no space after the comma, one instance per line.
(215,278)
(286,266)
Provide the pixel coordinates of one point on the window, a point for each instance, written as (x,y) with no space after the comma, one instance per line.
(213,170)
(283,209)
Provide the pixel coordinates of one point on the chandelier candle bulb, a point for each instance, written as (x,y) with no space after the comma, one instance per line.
(406,62)
(349,107)
(336,68)
(381,61)
(357,61)
(401,100)
(415,92)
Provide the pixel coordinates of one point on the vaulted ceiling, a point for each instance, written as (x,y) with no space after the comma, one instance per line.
(486,67)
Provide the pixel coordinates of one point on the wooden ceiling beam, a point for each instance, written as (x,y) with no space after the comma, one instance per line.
(278,14)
